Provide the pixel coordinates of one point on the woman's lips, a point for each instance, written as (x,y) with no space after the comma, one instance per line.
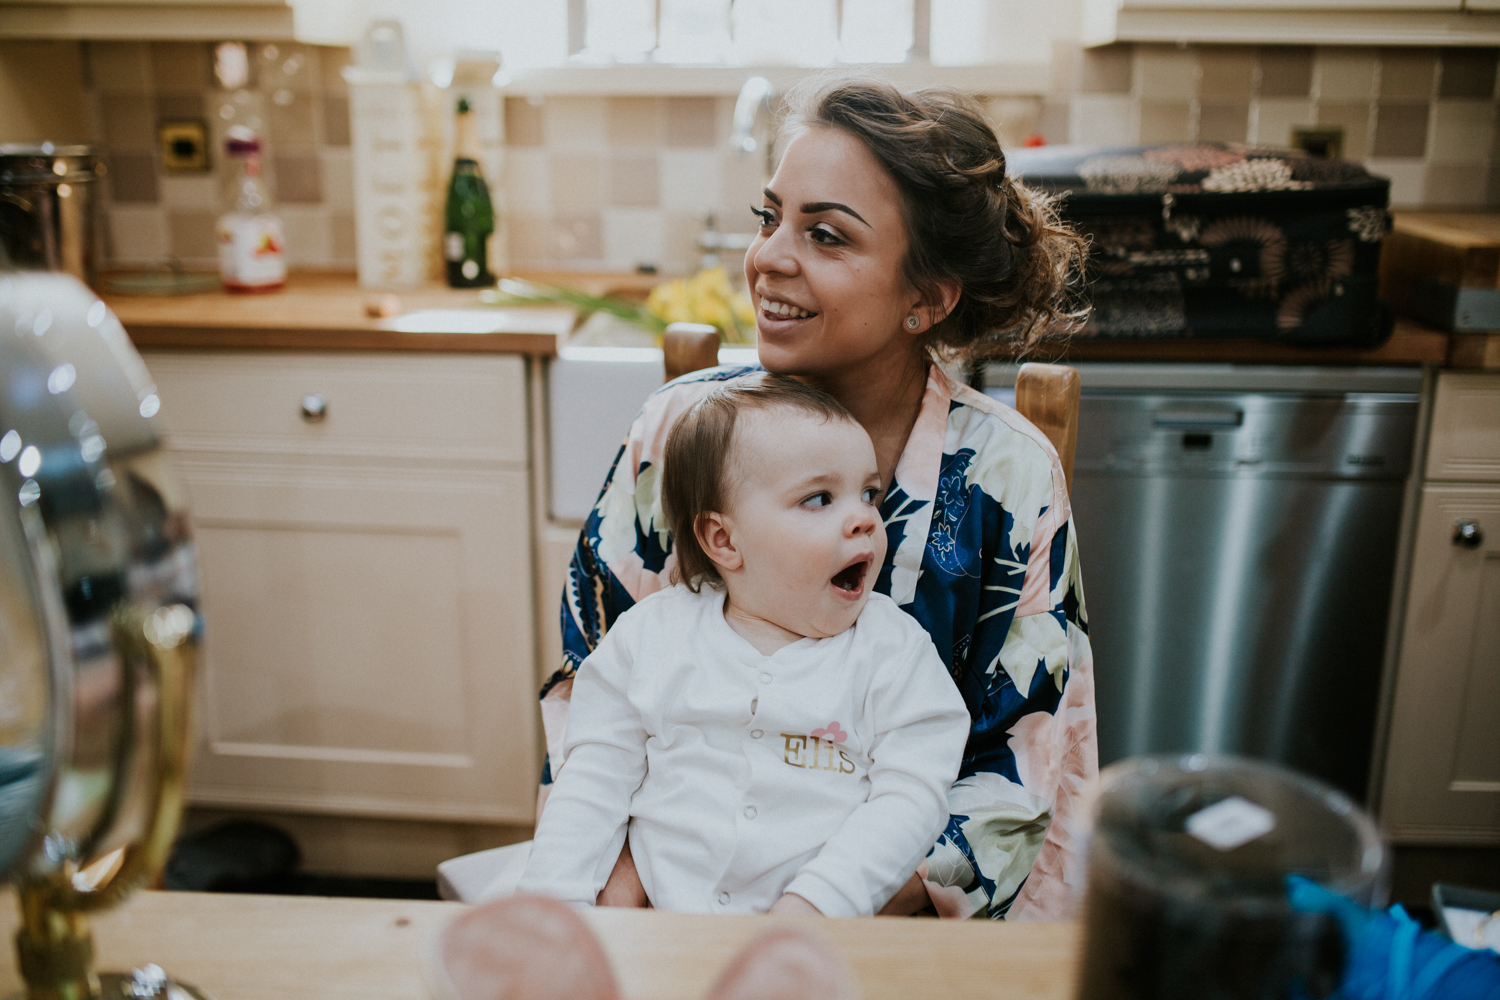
(776,311)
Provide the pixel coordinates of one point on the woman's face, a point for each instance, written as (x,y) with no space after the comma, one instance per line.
(825,271)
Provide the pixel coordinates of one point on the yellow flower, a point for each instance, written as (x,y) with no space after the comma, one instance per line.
(706,297)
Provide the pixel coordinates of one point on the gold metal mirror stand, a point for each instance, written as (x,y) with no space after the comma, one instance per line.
(54,944)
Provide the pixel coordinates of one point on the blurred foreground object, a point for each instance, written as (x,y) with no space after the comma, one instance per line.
(99,580)
(1187,879)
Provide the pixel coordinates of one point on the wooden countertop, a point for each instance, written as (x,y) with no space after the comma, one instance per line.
(327,312)
(306,948)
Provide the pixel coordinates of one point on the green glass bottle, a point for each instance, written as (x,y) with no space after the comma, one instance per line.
(469,219)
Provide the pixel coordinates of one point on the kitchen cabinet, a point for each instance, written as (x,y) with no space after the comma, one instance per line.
(1293,22)
(1442,774)
(149,20)
(365,537)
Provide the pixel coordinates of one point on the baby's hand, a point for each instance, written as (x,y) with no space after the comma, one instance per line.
(792,903)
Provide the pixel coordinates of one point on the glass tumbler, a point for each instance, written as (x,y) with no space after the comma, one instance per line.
(1188,869)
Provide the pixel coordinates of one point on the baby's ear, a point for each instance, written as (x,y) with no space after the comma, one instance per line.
(717,540)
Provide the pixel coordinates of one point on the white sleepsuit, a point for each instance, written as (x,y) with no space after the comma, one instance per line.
(822,769)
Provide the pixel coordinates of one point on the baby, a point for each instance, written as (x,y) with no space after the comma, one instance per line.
(768,731)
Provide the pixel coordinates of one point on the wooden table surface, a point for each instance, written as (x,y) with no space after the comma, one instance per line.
(307,948)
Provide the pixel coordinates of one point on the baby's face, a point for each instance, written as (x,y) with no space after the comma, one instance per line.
(804,516)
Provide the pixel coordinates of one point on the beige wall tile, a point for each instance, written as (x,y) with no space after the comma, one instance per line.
(132,177)
(42,92)
(189,191)
(1166,73)
(528,182)
(298,176)
(575,123)
(1408,179)
(336,119)
(1053,122)
(1274,120)
(679,246)
(691,182)
(138,235)
(338,178)
(181,67)
(341,237)
(1467,73)
(1455,185)
(632,236)
(1344,74)
(575,183)
(692,122)
(1013,118)
(1103,119)
(192,233)
(129,121)
(1407,74)
(1226,72)
(171,107)
(287,66)
(1462,132)
(1106,70)
(635,121)
(309,240)
(1285,70)
(1400,130)
(1223,121)
(523,122)
(332,61)
(1067,67)
(1164,121)
(119,67)
(532,240)
(742,183)
(1354,119)
(634,180)
(580,238)
(293,120)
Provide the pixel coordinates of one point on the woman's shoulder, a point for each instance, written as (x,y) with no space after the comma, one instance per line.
(1005,453)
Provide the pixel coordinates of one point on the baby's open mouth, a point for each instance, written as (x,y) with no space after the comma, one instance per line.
(851,579)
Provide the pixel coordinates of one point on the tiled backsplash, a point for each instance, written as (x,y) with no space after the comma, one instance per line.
(615,182)
(296,100)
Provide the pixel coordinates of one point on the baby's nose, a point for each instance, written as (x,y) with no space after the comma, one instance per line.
(861,522)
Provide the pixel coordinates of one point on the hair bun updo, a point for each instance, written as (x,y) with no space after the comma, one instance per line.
(967,220)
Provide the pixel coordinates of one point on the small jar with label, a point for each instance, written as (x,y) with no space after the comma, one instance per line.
(252,247)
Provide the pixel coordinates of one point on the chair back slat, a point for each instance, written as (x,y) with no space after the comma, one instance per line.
(1048,395)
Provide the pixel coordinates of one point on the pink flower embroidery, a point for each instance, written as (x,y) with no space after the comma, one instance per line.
(832,733)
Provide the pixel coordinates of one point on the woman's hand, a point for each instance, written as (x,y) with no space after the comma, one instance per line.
(792,903)
(908,899)
(624,886)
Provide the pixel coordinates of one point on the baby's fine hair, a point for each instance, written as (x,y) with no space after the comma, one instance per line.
(694,468)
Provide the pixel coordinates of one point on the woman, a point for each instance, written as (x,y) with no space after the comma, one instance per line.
(889,234)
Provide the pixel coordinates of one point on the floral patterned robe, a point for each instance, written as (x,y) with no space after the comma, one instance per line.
(982,553)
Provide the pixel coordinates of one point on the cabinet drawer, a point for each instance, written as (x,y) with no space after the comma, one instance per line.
(1465,441)
(465,408)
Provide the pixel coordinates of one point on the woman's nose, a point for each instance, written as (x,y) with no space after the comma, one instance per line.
(776,255)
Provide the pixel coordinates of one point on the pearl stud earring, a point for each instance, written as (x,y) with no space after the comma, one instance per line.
(912,322)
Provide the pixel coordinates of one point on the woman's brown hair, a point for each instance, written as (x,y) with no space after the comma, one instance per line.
(695,465)
(967,221)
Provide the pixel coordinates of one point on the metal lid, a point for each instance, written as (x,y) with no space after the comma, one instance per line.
(48,164)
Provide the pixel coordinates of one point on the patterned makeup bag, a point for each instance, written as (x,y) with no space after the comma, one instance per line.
(1222,241)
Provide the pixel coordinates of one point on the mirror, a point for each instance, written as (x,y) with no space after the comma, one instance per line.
(98,597)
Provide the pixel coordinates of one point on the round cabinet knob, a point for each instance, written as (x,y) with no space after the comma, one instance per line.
(314,407)
(1467,534)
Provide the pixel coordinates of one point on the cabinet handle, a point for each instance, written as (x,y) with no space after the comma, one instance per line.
(1467,534)
(314,408)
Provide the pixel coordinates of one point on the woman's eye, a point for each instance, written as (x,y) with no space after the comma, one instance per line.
(818,500)
(827,237)
(765,217)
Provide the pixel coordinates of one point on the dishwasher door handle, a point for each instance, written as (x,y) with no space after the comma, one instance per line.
(1203,419)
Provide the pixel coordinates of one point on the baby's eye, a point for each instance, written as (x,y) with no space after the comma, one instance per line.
(818,500)
(871,494)
(766,217)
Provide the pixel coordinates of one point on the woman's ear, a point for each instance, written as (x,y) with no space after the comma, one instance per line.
(935,304)
(717,539)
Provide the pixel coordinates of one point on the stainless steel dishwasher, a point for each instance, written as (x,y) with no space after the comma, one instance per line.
(1237,529)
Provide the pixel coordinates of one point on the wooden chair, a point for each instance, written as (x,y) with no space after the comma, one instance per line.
(1048,395)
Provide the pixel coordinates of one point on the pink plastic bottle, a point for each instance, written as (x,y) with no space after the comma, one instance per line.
(252,246)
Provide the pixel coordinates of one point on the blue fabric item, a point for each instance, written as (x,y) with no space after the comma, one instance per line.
(1390,957)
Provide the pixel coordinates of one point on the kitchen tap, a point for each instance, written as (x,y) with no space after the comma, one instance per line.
(755,96)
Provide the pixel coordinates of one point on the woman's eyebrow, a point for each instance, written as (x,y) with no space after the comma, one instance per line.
(814,207)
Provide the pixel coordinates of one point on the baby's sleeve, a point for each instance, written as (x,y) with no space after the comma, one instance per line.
(604,762)
(921,726)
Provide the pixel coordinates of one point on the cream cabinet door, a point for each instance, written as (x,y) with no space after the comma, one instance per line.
(1442,781)
(366,581)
